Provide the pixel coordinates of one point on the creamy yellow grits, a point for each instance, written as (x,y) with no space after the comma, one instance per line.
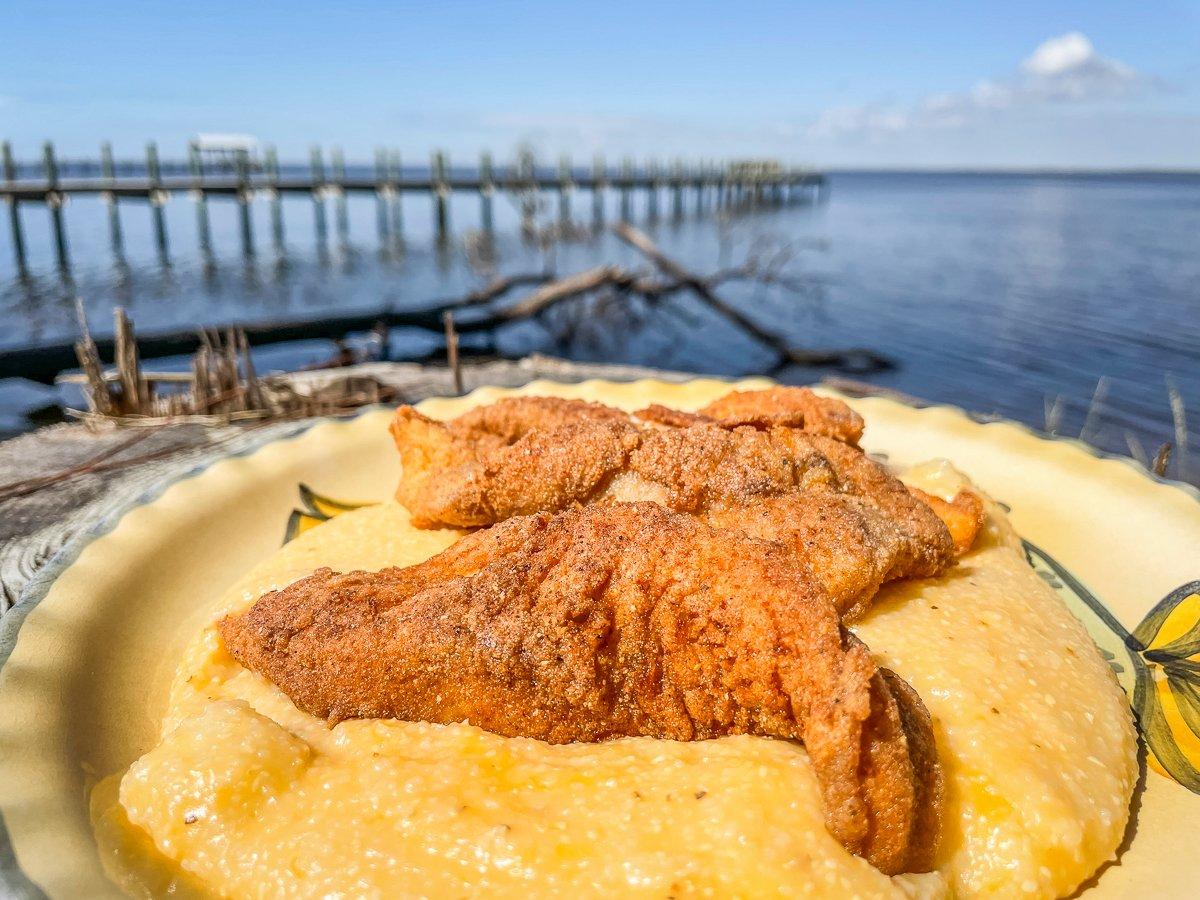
(246,796)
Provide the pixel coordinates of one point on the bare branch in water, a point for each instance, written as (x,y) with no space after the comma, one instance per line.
(496,288)
(852,358)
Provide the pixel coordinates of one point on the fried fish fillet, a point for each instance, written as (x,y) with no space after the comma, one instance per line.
(856,525)
(610,621)
(794,407)
(507,420)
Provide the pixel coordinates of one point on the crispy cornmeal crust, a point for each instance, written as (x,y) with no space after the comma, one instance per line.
(608,621)
(780,464)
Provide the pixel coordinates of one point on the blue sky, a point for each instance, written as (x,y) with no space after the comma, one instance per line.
(1094,84)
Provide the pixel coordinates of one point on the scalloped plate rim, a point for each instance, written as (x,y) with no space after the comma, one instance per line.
(13,878)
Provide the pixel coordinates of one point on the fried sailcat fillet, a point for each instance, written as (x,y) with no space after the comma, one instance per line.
(506,420)
(611,621)
(794,407)
(856,525)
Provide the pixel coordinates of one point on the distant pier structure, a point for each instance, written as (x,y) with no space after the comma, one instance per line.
(237,169)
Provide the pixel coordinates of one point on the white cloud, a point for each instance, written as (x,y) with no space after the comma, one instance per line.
(1065,69)
(1068,68)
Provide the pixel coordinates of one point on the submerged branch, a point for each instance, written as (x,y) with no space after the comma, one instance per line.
(855,358)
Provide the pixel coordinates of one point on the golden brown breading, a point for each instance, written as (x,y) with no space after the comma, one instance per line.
(856,525)
(794,407)
(503,422)
(791,407)
(607,621)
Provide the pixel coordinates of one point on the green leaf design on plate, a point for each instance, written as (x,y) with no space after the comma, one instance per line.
(1161,674)
(314,509)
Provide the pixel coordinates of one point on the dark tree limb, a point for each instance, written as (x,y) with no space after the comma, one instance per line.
(854,358)
(495,289)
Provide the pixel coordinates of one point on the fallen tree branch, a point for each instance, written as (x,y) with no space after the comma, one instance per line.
(495,289)
(562,289)
(857,358)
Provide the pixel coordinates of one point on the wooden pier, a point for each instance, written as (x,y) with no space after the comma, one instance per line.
(245,178)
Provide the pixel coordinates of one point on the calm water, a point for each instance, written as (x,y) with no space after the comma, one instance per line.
(1002,294)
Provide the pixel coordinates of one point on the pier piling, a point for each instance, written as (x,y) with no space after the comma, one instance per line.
(397,206)
(652,183)
(157,198)
(487,189)
(529,189)
(382,189)
(54,202)
(318,198)
(341,210)
(245,193)
(116,237)
(677,190)
(271,170)
(196,163)
(599,185)
(14,211)
(625,183)
(441,195)
(564,190)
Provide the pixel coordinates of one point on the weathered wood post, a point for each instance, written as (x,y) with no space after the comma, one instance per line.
(565,187)
(341,210)
(397,204)
(14,212)
(245,193)
(158,199)
(529,192)
(599,180)
(54,202)
(626,182)
(441,195)
(318,198)
(487,189)
(677,177)
(271,167)
(108,172)
(196,164)
(702,177)
(381,193)
(652,182)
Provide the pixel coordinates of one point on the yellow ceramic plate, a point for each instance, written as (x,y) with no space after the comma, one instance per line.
(84,679)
